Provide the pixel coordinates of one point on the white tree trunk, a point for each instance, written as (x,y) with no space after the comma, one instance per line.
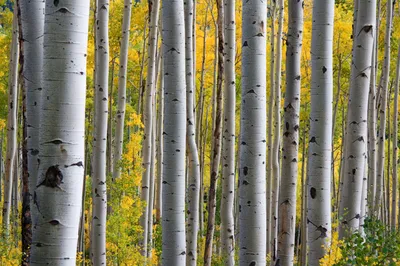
(395,148)
(193,186)
(99,161)
(319,167)
(121,106)
(148,116)
(58,192)
(276,175)
(382,112)
(252,197)
(174,135)
(357,130)
(229,138)
(12,124)
(287,194)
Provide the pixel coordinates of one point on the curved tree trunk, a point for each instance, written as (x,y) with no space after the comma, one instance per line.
(252,197)
(123,68)
(193,186)
(173,190)
(31,23)
(382,112)
(99,188)
(58,193)
(12,125)
(229,138)
(319,167)
(287,194)
(148,117)
(357,117)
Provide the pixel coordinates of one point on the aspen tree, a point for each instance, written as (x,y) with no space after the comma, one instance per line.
(174,134)
(99,161)
(287,194)
(229,138)
(148,116)
(193,186)
(58,191)
(319,167)
(252,197)
(121,106)
(382,111)
(357,117)
(31,38)
(12,124)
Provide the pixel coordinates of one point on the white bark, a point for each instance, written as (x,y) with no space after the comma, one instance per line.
(287,194)
(319,167)
(174,135)
(193,186)
(382,111)
(58,192)
(356,137)
(12,124)
(252,197)
(148,116)
(229,138)
(99,188)
(121,106)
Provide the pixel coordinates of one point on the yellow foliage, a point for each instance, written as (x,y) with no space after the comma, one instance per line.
(333,254)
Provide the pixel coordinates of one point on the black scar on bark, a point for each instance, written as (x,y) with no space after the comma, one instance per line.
(56,2)
(313,192)
(245,170)
(53,177)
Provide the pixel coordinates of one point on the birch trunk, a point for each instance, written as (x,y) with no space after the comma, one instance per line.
(31,41)
(58,192)
(252,197)
(174,135)
(123,68)
(12,125)
(193,186)
(99,188)
(319,170)
(356,137)
(229,138)
(287,194)
(395,145)
(148,116)
(382,111)
(217,134)
(277,140)
(159,139)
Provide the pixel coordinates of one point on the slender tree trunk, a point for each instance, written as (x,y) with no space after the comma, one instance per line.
(382,111)
(173,190)
(252,197)
(356,137)
(12,125)
(99,160)
(387,174)
(123,68)
(395,145)
(31,23)
(150,206)
(287,194)
(217,134)
(148,116)
(319,155)
(58,193)
(110,121)
(229,138)
(193,185)
(304,232)
(159,139)
(276,175)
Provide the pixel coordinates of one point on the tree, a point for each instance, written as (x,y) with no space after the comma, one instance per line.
(229,138)
(319,155)
(12,124)
(58,192)
(252,200)
(123,68)
(173,189)
(287,192)
(99,187)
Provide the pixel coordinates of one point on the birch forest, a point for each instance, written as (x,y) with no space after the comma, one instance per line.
(199,132)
